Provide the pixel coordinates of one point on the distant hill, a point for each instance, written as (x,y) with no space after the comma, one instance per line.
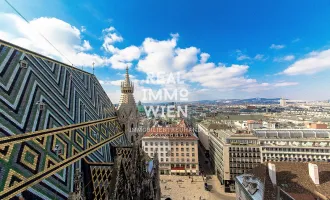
(226,101)
(241,101)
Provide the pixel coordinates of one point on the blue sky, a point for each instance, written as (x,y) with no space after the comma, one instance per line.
(223,49)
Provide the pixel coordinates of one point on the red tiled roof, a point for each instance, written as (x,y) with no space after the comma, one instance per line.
(296,178)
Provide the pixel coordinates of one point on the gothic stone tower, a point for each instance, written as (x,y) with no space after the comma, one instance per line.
(127,111)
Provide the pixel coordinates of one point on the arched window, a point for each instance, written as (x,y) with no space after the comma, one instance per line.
(132,126)
(132,138)
(123,127)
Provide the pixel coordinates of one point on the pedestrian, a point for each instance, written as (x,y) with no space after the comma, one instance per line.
(165,187)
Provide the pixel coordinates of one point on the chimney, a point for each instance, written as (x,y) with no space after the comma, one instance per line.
(272,172)
(314,173)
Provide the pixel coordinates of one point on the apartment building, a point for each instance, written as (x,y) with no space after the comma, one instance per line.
(176,146)
(294,144)
(232,154)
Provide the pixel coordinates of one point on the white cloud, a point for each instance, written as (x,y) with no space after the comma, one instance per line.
(164,56)
(210,75)
(65,37)
(204,57)
(152,56)
(285,58)
(241,56)
(284,84)
(110,29)
(260,57)
(85,47)
(83,29)
(185,57)
(289,58)
(277,46)
(313,63)
(110,37)
(123,58)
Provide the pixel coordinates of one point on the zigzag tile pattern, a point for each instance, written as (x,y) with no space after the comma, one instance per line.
(69,96)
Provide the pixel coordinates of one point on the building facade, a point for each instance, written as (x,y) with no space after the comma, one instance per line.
(203,135)
(232,154)
(177,149)
(282,102)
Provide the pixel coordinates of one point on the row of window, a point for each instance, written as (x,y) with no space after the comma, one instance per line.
(243,149)
(166,149)
(184,165)
(295,159)
(177,160)
(294,155)
(242,141)
(298,150)
(244,154)
(245,160)
(166,143)
(182,149)
(246,165)
(172,154)
(151,149)
(182,154)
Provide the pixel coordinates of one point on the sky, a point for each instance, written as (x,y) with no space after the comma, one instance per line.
(184,50)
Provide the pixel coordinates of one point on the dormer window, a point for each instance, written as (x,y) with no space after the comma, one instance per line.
(23,64)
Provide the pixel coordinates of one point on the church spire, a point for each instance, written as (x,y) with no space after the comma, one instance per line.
(127,86)
(127,81)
